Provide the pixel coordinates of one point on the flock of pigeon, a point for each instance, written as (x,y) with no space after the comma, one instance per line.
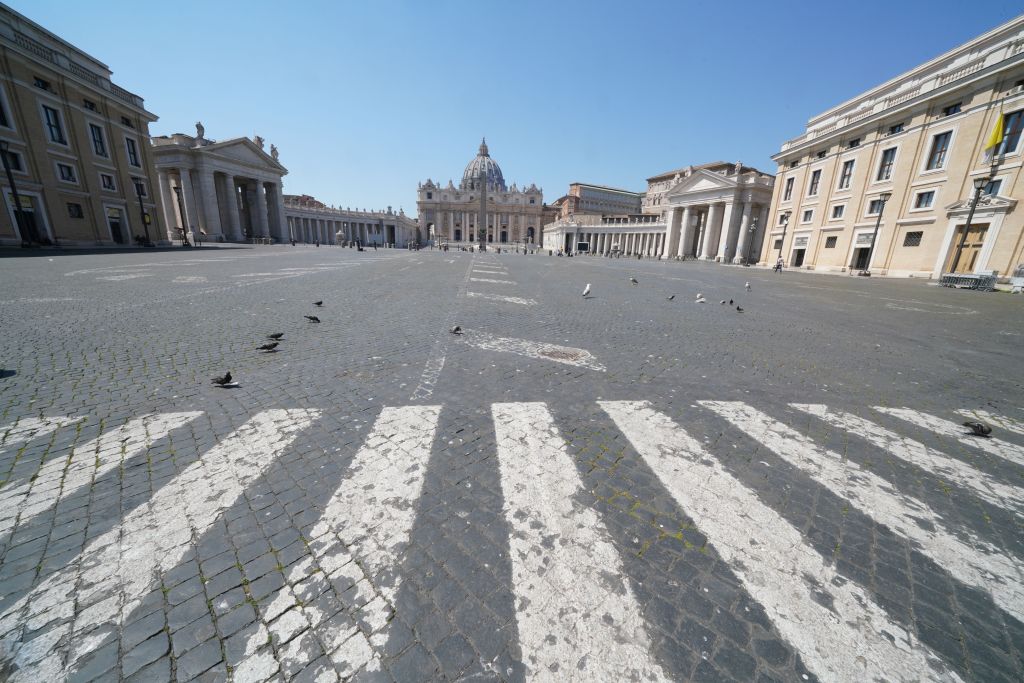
(699,300)
(227,382)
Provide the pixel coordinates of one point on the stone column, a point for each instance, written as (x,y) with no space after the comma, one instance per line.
(743,238)
(169,214)
(211,214)
(261,225)
(685,233)
(710,232)
(231,201)
(727,234)
(672,228)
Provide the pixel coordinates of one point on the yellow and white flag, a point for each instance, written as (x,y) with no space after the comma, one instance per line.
(995,139)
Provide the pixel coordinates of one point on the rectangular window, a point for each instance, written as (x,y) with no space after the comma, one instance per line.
(4,121)
(794,163)
(89,104)
(913,239)
(533,201)
(885,167)
(838,211)
(808,215)
(789,190)
(952,109)
(778,243)
(140,188)
(853,143)
(815,179)
(75,210)
(895,128)
(830,241)
(430,195)
(133,152)
(1012,125)
(992,188)
(107,181)
(13,160)
(67,173)
(127,122)
(940,148)
(53,127)
(924,200)
(822,153)
(875,207)
(40,83)
(99,145)
(846,175)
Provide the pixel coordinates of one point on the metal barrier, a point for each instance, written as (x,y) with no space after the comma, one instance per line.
(983,282)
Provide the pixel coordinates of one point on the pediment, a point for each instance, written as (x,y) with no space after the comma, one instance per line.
(701,181)
(245,151)
(986,202)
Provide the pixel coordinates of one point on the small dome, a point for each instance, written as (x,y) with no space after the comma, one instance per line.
(483,164)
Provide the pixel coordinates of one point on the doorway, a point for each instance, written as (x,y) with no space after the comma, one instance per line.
(115,222)
(971,251)
(798,257)
(458,235)
(860,258)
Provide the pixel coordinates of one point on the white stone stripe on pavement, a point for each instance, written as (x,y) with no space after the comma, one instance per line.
(506,299)
(121,566)
(1001,421)
(63,476)
(28,428)
(950,469)
(996,447)
(532,349)
(362,532)
(851,638)
(497,282)
(972,560)
(574,621)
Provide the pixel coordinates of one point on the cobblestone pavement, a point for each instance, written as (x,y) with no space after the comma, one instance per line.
(620,487)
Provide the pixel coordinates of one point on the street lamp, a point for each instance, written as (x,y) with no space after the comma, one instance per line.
(24,229)
(785,224)
(979,185)
(884,197)
(142,209)
(750,241)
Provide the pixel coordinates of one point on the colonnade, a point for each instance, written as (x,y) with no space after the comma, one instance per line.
(220,206)
(460,226)
(720,231)
(630,243)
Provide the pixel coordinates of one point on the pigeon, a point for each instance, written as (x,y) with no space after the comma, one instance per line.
(671,297)
(747,286)
(978,428)
(701,300)
(722,302)
(739,310)
(268,347)
(700,296)
(456,330)
(586,291)
(633,281)
(318,303)
(730,302)
(276,336)
(222,381)
(311,318)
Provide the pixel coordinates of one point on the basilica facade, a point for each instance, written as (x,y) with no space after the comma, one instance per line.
(482,207)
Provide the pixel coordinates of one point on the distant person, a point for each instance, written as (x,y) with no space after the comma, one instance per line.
(778,265)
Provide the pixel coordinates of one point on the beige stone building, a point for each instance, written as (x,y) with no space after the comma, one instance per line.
(451,214)
(585,198)
(76,145)
(310,221)
(905,156)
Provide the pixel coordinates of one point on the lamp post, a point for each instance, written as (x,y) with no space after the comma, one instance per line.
(979,185)
(24,230)
(142,209)
(785,224)
(750,241)
(884,198)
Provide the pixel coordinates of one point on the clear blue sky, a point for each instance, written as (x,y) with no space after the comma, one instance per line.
(365,99)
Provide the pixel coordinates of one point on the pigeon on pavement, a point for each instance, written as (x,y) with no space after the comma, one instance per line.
(311,318)
(978,428)
(730,302)
(747,286)
(276,336)
(739,310)
(221,381)
(671,297)
(318,303)
(268,347)
(633,281)
(722,302)
(586,291)
(456,330)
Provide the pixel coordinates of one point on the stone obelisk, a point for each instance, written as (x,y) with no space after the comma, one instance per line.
(481,220)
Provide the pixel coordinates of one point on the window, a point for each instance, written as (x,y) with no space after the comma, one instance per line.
(913,239)
(107,181)
(4,121)
(885,167)
(53,127)
(924,200)
(875,207)
(950,110)
(992,188)
(430,195)
(815,179)
(808,215)
(783,218)
(838,210)
(532,200)
(789,190)
(127,122)
(778,243)
(89,104)
(940,148)
(822,153)
(40,83)
(1012,124)
(846,175)
(853,143)
(895,128)
(830,241)
(13,160)
(140,187)
(794,163)
(99,145)
(75,210)
(133,152)
(67,173)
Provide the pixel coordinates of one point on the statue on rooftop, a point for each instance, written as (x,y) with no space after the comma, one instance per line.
(273,151)
(258,140)
(200,130)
